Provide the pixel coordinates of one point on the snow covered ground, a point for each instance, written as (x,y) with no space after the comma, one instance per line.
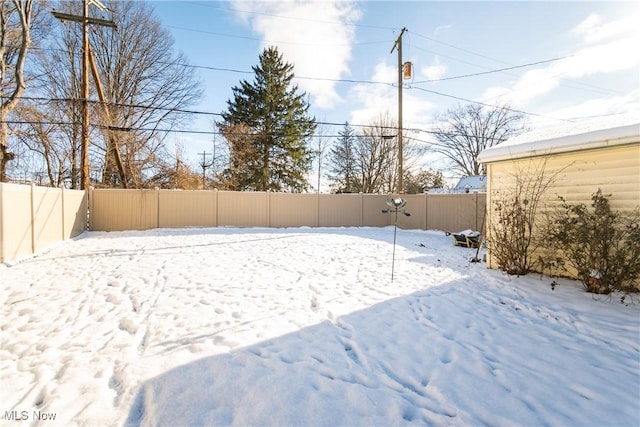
(304,327)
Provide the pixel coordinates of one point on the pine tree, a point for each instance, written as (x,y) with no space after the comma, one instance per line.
(277,125)
(343,162)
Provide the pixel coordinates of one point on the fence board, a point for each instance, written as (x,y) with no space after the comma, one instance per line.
(416,206)
(74,212)
(32,218)
(340,210)
(455,212)
(118,209)
(187,209)
(243,209)
(372,207)
(47,221)
(293,210)
(15,231)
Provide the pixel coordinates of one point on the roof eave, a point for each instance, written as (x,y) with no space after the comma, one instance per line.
(623,135)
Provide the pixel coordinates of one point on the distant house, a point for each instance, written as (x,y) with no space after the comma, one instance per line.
(469,184)
(584,160)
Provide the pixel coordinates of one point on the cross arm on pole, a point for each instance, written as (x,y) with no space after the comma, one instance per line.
(76,18)
(395,45)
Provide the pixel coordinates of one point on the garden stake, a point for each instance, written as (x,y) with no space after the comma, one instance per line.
(397,204)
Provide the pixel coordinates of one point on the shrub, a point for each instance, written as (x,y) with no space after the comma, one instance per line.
(601,245)
(511,237)
(510,240)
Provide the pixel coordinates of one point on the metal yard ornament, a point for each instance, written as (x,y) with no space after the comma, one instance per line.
(396,206)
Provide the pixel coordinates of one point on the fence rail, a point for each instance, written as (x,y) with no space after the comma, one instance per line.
(32,218)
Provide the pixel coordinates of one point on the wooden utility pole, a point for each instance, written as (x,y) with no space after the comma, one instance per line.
(85,20)
(85,180)
(398,46)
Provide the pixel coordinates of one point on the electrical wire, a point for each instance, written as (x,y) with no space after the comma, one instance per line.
(341,124)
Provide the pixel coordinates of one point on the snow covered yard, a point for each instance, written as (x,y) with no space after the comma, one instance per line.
(303,327)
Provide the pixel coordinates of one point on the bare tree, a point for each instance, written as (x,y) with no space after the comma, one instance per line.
(463,132)
(40,137)
(367,161)
(174,173)
(322,142)
(146,84)
(59,80)
(377,155)
(15,41)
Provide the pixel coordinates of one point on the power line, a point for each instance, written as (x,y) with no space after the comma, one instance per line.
(580,85)
(234,36)
(178,110)
(356,81)
(295,18)
(470,52)
(459,98)
(200,132)
(499,70)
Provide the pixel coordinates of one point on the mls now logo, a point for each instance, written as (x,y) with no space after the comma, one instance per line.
(26,415)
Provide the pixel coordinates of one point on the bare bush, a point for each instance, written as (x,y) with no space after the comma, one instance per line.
(512,239)
(601,245)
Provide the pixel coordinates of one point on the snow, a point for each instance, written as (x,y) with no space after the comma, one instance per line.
(570,137)
(303,326)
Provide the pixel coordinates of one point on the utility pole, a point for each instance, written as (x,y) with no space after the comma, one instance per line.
(85,179)
(204,166)
(398,46)
(85,20)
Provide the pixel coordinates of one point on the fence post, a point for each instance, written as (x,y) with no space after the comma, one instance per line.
(318,209)
(424,220)
(33,218)
(157,207)
(215,211)
(2,241)
(88,214)
(268,208)
(426,211)
(63,211)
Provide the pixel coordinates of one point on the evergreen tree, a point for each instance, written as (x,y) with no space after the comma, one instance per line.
(276,126)
(423,180)
(343,162)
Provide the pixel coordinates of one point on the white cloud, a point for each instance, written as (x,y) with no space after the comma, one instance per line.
(592,30)
(598,59)
(441,29)
(376,99)
(310,35)
(624,105)
(433,72)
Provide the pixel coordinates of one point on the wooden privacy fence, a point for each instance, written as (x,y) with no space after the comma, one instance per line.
(32,218)
(117,209)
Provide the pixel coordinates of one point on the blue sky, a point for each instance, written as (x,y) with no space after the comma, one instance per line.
(584,56)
